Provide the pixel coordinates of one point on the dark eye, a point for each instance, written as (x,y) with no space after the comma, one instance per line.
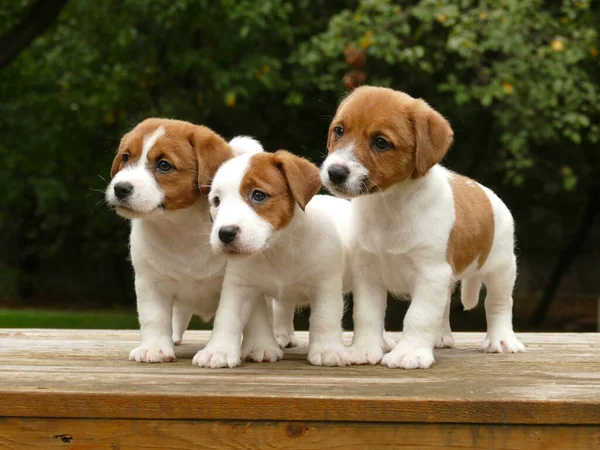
(338,132)
(258,196)
(381,144)
(216,202)
(125,157)
(164,166)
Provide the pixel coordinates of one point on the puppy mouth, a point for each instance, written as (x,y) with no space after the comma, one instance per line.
(352,191)
(128,212)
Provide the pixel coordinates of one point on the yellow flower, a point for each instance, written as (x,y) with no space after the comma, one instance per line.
(230,99)
(367,40)
(508,88)
(483,15)
(557,45)
(442,18)
(593,51)
(357,17)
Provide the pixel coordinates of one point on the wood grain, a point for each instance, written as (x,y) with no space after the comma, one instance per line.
(71,374)
(25,434)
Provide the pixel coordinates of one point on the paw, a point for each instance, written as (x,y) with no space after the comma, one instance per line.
(444,340)
(177,339)
(502,343)
(409,358)
(286,340)
(215,357)
(388,343)
(365,354)
(262,353)
(154,352)
(329,356)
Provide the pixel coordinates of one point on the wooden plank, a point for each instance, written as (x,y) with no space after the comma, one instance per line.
(25,434)
(71,373)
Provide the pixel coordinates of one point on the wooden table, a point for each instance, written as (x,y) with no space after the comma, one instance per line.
(76,390)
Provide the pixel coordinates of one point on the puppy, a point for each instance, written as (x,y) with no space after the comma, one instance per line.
(278,243)
(417,228)
(160,178)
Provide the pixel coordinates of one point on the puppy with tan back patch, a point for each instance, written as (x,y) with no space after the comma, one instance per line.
(280,241)
(160,179)
(417,228)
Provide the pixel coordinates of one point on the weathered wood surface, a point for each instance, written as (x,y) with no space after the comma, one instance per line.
(85,374)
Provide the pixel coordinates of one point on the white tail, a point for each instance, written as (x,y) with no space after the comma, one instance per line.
(245,144)
(469,292)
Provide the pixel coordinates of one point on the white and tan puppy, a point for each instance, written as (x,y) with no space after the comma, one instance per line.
(160,180)
(281,241)
(417,228)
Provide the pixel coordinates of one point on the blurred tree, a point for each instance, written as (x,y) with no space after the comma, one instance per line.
(517,78)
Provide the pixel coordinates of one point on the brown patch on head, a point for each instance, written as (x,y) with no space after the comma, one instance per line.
(472,235)
(418,135)
(195,153)
(287,179)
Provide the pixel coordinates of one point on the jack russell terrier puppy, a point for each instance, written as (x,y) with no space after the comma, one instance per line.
(279,243)
(160,178)
(417,227)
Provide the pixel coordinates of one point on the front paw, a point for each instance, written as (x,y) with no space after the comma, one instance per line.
(286,339)
(215,357)
(409,358)
(365,354)
(388,343)
(329,356)
(153,352)
(262,352)
(505,342)
(444,340)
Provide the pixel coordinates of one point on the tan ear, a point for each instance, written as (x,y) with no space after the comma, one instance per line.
(302,176)
(118,157)
(433,136)
(211,151)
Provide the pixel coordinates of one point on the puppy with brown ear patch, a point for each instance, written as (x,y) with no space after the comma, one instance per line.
(160,179)
(417,228)
(280,241)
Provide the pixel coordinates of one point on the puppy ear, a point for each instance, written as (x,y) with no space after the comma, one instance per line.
(211,151)
(302,176)
(433,136)
(116,165)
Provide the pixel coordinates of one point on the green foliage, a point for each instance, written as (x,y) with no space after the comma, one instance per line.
(517,79)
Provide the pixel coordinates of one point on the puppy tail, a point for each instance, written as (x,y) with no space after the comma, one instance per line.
(245,144)
(469,292)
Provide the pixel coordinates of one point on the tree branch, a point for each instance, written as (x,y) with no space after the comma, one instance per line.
(41,16)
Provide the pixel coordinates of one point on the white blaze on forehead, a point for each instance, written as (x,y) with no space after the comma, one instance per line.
(149,141)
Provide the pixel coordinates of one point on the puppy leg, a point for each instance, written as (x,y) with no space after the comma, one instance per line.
(181,320)
(431,293)
(283,322)
(498,310)
(259,343)
(370,302)
(155,312)
(235,307)
(325,331)
(444,337)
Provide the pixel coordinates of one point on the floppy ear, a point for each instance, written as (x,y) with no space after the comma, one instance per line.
(116,164)
(433,136)
(302,176)
(211,151)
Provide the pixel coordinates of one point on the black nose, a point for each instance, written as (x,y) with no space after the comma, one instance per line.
(228,233)
(338,173)
(123,190)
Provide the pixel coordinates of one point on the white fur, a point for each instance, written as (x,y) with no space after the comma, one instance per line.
(302,263)
(245,144)
(176,272)
(399,243)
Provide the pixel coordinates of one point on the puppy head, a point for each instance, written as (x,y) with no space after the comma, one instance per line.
(380,137)
(162,165)
(254,196)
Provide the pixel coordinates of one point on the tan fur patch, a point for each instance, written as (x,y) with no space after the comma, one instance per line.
(472,235)
(286,178)
(419,136)
(194,151)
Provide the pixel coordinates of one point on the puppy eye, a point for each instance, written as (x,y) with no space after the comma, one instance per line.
(164,166)
(380,144)
(216,202)
(125,157)
(258,196)
(338,132)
